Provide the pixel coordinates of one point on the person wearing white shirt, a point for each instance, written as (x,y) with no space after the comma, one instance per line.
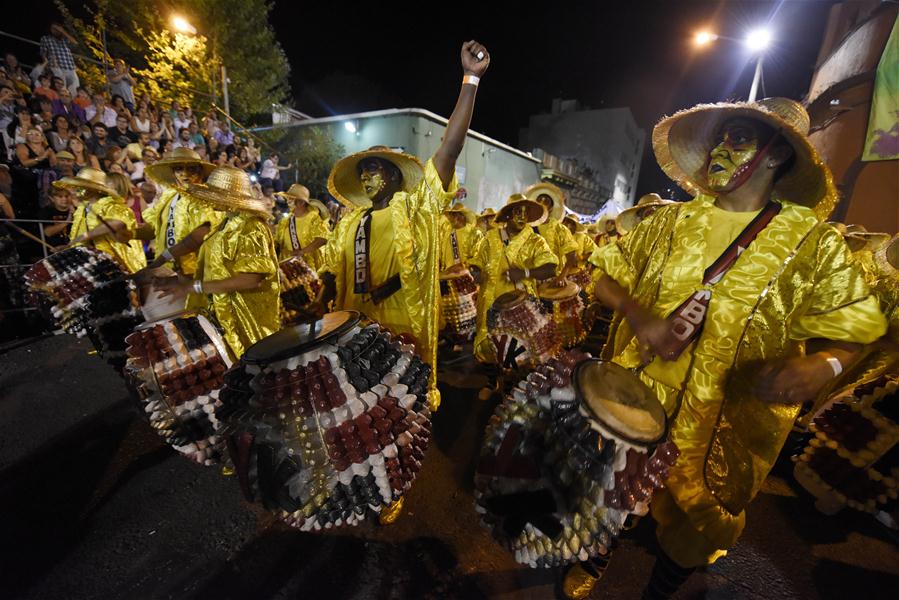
(100,112)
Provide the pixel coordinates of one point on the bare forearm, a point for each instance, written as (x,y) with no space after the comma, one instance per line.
(55,229)
(144,232)
(242,282)
(190,243)
(542,272)
(456,130)
(108,228)
(610,293)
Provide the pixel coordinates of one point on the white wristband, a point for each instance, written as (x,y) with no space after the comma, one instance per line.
(834,363)
(527,273)
(198,286)
(471,80)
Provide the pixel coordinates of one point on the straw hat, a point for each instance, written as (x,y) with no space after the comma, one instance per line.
(65,154)
(461,209)
(852,228)
(161,171)
(87,178)
(631,217)
(554,192)
(578,226)
(887,255)
(229,189)
(344,183)
(682,143)
(536,211)
(865,240)
(840,227)
(298,191)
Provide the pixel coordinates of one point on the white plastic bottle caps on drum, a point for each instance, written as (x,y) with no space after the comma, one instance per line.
(177,368)
(327,422)
(91,296)
(576,447)
(458,303)
(521,334)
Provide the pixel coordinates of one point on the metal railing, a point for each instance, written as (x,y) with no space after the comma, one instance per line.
(45,247)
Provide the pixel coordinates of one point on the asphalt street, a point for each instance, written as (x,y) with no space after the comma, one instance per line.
(95,506)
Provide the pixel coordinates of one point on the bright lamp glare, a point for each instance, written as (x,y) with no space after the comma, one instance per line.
(350,126)
(758,39)
(183,25)
(704,37)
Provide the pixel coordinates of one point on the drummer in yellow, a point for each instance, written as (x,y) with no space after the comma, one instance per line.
(175,213)
(236,280)
(629,218)
(742,303)
(305,231)
(485,220)
(103,220)
(460,237)
(583,241)
(560,240)
(511,256)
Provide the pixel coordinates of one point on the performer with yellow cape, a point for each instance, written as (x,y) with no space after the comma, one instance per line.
(236,280)
(560,240)
(742,304)
(103,220)
(460,237)
(305,230)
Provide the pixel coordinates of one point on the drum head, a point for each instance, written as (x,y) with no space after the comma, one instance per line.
(553,292)
(454,272)
(620,402)
(510,299)
(297,339)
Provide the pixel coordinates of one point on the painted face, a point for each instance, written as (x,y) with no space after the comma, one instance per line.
(373,179)
(547,201)
(185,175)
(731,158)
(519,217)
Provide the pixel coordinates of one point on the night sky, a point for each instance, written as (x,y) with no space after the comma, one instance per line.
(348,57)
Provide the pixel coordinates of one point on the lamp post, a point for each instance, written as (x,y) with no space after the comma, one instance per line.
(757,41)
(182,25)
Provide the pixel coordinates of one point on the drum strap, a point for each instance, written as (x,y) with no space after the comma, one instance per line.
(170,224)
(292,228)
(455,242)
(687,319)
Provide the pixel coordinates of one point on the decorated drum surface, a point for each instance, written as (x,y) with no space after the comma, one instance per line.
(576,447)
(300,286)
(327,422)
(564,306)
(458,303)
(177,367)
(91,296)
(521,334)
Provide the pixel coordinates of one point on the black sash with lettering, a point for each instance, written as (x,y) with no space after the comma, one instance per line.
(292,228)
(688,318)
(170,224)
(361,261)
(455,243)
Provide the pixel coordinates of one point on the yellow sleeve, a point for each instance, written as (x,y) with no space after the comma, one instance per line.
(151,213)
(320,229)
(475,236)
(332,255)
(540,253)
(566,241)
(116,211)
(481,253)
(255,250)
(841,307)
(201,213)
(430,195)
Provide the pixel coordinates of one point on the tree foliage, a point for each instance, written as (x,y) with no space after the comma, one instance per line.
(177,68)
(311,149)
(235,32)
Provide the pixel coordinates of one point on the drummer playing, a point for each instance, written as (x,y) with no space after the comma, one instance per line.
(511,256)
(383,257)
(305,230)
(747,308)
(461,237)
(560,240)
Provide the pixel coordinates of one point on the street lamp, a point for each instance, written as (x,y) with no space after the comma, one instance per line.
(704,38)
(757,41)
(182,25)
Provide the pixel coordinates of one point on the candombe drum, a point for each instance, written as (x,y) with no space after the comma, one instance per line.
(576,447)
(522,335)
(564,306)
(91,297)
(177,367)
(300,285)
(327,421)
(852,456)
(458,303)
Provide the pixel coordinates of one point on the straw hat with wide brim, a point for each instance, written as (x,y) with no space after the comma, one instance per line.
(229,189)
(682,143)
(87,178)
(631,217)
(461,209)
(345,185)
(578,226)
(161,171)
(536,211)
(865,240)
(554,192)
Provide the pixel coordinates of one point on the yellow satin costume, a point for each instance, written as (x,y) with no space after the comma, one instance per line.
(130,255)
(189,214)
(467,238)
(242,243)
(585,247)
(794,282)
(308,227)
(405,240)
(560,240)
(494,257)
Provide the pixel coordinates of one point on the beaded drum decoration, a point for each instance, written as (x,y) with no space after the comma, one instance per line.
(300,286)
(565,307)
(522,336)
(327,422)
(576,447)
(458,304)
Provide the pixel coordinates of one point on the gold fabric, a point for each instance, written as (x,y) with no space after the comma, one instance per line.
(406,240)
(190,213)
(527,250)
(585,246)
(242,243)
(309,227)
(560,240)
(794,282)
(130,255)
(467,238)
